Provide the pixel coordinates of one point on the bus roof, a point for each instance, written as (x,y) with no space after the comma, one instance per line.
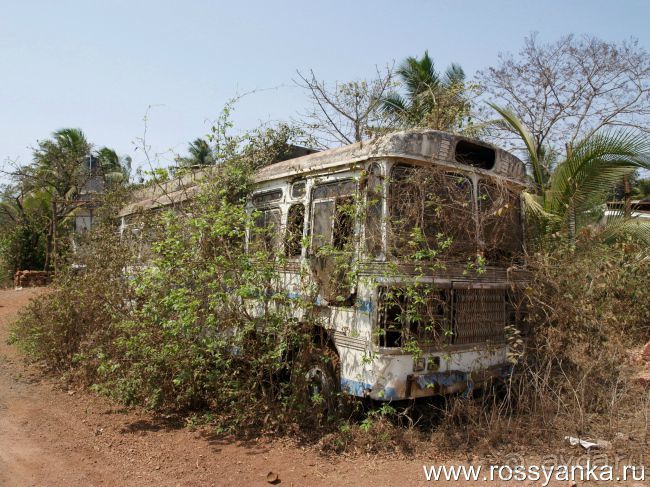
(422,145)
(416,145)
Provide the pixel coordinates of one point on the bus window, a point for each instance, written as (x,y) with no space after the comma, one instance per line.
(343,223)
(476,155)
(374,211)
(298,189)
(332,220)
(322,226)
(430,210)
(501,230)
(266,231)
(295,225)
(261,199)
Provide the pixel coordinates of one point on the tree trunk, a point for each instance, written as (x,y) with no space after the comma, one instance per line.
(572,225)
(48,247)
(627,192)
(54,236)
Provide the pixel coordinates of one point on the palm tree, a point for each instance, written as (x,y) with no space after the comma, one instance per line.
(58,172)
(59,163)
(113,167)
(432,100)
(200,154)
(567,195)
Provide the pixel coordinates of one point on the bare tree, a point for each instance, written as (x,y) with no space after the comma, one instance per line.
(346,112)
(567,90)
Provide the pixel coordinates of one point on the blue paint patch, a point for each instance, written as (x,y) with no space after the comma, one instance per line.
(364,306)
(357,388)
(440,378)
(390,393)
(354,387)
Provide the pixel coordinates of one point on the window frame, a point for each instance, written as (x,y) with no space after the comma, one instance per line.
(332,198)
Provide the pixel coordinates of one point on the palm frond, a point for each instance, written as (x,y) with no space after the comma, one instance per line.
(454,75)
(594,167)
(534,206)
(621,229)
(394,104)
(531,144)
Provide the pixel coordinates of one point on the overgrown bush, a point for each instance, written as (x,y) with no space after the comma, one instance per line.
(76,317)
(191,339)
(588,308)
(203,324)
(21,248)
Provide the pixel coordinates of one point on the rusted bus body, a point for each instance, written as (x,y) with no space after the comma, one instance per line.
(462,340)
(303,196)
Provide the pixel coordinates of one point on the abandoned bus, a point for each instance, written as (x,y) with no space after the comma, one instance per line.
(400,328)
(417,285)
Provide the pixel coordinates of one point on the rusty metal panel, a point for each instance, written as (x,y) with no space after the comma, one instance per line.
(479,315)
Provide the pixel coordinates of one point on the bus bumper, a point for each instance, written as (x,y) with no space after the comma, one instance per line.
(441,383)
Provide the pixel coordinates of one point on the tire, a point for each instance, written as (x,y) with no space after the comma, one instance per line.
(317,378)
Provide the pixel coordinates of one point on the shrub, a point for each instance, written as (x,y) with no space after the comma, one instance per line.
(588,308)
(73,324)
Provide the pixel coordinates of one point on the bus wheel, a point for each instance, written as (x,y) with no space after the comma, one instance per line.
(318,378)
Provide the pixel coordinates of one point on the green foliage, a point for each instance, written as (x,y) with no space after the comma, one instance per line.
(189,341)
(642,188)
(571,194)
(73,323)
(23,247)
(431,100)
(37,210)
(200,154)
(203,325)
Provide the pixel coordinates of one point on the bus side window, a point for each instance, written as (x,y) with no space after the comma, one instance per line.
(343,223)
(374,211)
(295,225)
(333,215)
(265,233)
(322,227)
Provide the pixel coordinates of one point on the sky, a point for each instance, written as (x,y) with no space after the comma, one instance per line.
(103,65)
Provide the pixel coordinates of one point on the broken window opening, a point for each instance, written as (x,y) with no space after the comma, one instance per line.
(374,211)
(333,215)
(431,211)
(263,198)
(501,231)
(420,314)
(475,155)
(265,234)
(343,223)
(298,189)
(295,225)
(322,224)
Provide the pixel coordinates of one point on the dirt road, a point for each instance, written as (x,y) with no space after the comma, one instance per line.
(50,436)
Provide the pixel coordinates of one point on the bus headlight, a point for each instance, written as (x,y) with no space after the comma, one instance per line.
(433,364)
(419,364)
